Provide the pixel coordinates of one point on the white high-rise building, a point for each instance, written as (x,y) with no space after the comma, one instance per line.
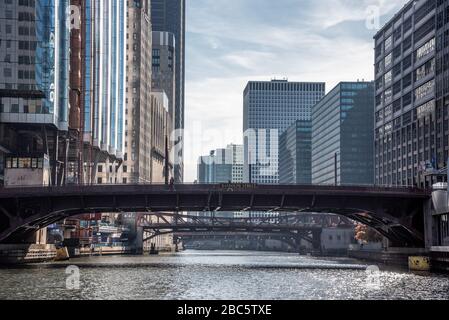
(269,108)
(222,165)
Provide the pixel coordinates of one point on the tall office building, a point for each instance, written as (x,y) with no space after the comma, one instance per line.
(412,100)
(104,59)
(137,159)
(342,136)
(34,81)
(161,160)
(169,16)
(105,67)
(295,154)
(236,152)
(412,86)
(222,165)
(269,108)
(34,77)
(62,84)
(163,67)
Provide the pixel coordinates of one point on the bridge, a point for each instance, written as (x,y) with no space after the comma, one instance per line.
(289,228)
(396,213)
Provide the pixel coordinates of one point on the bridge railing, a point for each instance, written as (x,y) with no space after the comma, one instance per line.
(227,186)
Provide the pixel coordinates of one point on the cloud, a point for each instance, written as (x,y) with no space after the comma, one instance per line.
(230,42)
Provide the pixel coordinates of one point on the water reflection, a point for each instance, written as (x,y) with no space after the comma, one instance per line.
(219,275)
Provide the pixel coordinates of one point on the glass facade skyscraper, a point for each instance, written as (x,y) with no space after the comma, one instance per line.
(295,154)
(342,136)
(34,76)
(34,62)
(269,108)
(105,74)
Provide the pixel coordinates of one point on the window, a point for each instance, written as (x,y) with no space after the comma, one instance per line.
(388,43)
(388,95)
(388,61)
(425,49)
(424,90)
(425,70)
(7,72)
(388,78)
(24,163)
(425,109)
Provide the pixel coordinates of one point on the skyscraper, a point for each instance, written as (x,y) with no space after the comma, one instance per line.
(169,16)
(237,162)
(104,81)
(411,121)
(62,79)
(222,165)
(163,67)
(295,154)
(342,135)
(137,160)
(269,108)
(34,77)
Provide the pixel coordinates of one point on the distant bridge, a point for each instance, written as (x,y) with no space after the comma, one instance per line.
(291,228)
(396,213)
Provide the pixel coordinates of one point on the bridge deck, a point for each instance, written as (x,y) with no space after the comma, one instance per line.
(397,213)
(208,188)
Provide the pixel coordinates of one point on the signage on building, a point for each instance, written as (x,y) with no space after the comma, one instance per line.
(237,186)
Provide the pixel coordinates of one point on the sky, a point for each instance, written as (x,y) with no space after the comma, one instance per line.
(230,42)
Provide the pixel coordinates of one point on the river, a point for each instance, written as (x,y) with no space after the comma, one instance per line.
(200,275)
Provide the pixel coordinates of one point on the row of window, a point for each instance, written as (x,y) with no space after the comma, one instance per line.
(286,86)
(427,49)
(24,163)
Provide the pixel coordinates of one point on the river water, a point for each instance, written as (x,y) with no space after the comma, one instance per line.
(201,275)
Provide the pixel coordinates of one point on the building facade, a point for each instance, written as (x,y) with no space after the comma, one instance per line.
(104,83)
(295,154)
(34,82)
(269,108)
(411,127)
(34,77)
(342,135)
(169,16)
(163,67)
(137,160)
(237,162)
(222,166)
(62,83)
(161,161)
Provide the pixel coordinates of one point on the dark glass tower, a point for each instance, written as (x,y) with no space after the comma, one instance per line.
(295,154)
(169,16)
(342,136)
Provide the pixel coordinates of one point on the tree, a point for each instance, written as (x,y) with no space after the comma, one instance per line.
(366,234)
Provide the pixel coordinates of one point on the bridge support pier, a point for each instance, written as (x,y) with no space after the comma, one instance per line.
(316,236)
(428,224)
